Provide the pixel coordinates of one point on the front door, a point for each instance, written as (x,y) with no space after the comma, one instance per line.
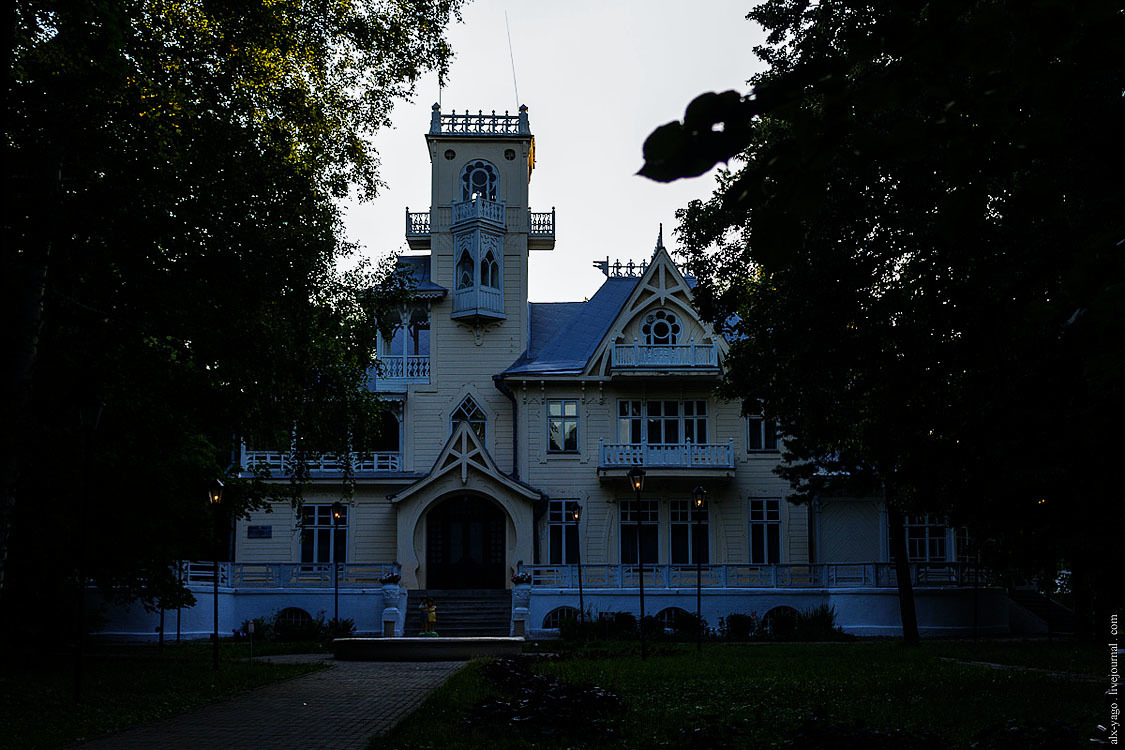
(465,545)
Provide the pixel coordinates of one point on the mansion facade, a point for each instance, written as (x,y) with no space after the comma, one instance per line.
(515,428)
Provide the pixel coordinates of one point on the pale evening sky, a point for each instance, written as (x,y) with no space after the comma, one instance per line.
(597,78)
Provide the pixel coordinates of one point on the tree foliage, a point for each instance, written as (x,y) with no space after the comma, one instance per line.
(171,247)
(920,257)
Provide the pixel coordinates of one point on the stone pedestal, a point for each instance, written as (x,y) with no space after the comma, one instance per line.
(521,609)
(392,619)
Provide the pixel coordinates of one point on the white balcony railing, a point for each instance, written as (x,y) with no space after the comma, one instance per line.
(479,209)
(813,575)
(287,575)
(662,356)
(282,463)
(413,369)
(683,455)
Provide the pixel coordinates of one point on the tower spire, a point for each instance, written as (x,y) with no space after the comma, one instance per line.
(659,239)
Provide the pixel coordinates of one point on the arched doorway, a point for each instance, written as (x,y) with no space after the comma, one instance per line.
(465,544)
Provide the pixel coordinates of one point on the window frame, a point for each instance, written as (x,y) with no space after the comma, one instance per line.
(634,418)
(564,419)
(568,543)
(650,530)
(317,529)
(681,514)
(771,538)
(483,421)
(757,426)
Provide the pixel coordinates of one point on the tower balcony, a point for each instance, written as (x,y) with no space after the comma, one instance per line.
(541,230)
(418,230)
(489,213)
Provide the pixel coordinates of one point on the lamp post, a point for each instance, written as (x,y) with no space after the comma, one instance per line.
(337,513)
(215,498)
(698,497)
(637,482)
(575,512)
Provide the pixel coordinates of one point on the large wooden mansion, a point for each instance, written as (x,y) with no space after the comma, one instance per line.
(511,415)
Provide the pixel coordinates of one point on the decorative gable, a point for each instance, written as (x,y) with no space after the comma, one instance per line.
(658,328)
(463,456)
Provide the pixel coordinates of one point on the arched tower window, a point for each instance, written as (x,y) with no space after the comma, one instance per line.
(661,327)
(479,179)
(465,270)
(469,412)
(489,271)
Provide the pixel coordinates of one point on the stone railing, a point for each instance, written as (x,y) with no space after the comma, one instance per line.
(288,575)
(479,124)
(659,356)
(282,463)
(682,455)
(816,575)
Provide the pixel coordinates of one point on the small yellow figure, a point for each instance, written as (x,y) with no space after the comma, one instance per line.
(427,606)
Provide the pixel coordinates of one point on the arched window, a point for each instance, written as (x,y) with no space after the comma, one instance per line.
(661,327)
(557,616)
(489,271)
(479,179)
(469,412)
(465,270)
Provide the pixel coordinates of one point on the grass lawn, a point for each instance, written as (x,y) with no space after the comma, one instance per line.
(122,686)
(763,695)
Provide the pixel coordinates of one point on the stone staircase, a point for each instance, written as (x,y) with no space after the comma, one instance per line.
(462,612)
(1058,618)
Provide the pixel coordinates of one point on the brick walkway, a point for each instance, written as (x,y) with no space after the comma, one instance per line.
(341,707)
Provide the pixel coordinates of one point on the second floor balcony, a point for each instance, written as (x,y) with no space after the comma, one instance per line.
(283,463)
(703,459)
(539,225)
(690,357)
(395,372)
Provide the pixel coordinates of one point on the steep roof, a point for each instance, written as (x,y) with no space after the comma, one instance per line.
(564,335)
(419,266)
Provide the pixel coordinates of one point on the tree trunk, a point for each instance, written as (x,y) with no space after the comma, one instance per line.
(902,574)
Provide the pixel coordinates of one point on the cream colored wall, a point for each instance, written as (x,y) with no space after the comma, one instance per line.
(575,476)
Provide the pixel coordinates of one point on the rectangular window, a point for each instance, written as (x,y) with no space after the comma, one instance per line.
(695,421)
(765,531)
(761,434)
(925,539)
(649,518)
(318,542)
(629,421)
(965,546)
(562,534)
(689,538)
(662,422)
(562,426)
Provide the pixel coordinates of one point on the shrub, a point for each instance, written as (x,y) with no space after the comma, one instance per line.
(341,628)
(688,624)
(818,624)
(739,627)
(263,628)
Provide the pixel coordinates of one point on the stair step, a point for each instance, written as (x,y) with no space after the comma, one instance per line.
(462,612)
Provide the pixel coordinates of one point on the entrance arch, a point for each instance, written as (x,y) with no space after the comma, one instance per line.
(465,544)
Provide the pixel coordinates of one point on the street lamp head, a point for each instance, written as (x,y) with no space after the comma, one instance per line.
(637,478)
(215,492)
(575,511)
(337,511)
(698,495)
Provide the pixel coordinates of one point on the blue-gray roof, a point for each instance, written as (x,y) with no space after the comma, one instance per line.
(564,335)
(420,270)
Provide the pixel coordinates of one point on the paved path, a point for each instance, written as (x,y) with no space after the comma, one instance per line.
(341,707)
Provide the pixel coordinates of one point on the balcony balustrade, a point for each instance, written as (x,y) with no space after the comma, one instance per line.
(638,356)
(406,369)
(282,463)
(287,575)
(417,223)
(479,209)
(810,575)
(680,456)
